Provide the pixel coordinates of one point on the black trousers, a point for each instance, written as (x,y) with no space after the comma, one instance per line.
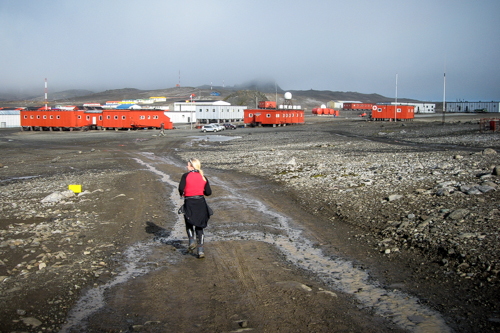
(192,230)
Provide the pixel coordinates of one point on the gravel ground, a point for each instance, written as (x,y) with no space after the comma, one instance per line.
(412,192)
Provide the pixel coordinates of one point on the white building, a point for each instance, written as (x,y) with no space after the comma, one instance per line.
(156,107)
(10,118)
(336,105)
(158,99)
(144,101)
(421,107)
(212,111)
(339,104)
(472,106)
(181,117)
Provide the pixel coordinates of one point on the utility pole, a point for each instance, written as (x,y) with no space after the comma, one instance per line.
(396,106)
(45,94)
(444,96)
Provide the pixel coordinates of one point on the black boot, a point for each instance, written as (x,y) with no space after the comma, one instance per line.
(201,252)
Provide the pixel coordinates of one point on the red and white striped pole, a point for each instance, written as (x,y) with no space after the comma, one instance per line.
(45,94)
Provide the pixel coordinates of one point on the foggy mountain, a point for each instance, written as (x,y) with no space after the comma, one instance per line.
(248,94)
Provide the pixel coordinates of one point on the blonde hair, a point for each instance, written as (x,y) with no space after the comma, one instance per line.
(196,164)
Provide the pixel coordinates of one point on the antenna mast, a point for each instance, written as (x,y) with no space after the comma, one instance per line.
(396,106)
(444,93)
(45,94)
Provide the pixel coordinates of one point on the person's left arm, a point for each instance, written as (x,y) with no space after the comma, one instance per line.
(207,190)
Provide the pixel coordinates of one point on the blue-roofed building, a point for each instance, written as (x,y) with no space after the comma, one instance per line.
(128,106)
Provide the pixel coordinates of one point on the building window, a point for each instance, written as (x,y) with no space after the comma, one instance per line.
(213,110)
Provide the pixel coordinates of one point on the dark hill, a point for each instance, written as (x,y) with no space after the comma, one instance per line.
(245,94)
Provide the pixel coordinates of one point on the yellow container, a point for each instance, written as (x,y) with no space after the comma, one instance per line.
(75,188)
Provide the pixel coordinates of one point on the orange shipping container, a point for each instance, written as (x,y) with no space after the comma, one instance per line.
(390,112)
(267,105)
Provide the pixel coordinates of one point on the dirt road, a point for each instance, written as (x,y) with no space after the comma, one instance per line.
(270,265)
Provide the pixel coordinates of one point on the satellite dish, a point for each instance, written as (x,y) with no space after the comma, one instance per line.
(323,106)
(288,95)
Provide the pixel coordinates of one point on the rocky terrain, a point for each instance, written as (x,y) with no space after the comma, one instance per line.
(420,187)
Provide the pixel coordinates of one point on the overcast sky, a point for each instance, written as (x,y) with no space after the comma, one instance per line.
(357,45)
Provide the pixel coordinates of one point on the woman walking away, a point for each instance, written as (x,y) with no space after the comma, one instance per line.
(193,187)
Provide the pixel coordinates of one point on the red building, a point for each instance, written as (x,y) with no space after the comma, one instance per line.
(267,105)
(76,118)
(389,112)
(281,117)
(357,106)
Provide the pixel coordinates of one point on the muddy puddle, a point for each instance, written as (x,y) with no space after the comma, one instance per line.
(214,138)
(268,226)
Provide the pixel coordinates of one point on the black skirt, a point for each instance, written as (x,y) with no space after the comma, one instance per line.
(196,211)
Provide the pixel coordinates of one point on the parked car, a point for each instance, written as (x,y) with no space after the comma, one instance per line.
(219,126)
(210,128)
(229,126)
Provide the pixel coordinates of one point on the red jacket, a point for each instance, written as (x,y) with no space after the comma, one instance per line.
(192,183)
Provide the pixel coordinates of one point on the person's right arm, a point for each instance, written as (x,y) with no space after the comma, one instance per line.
(182,184)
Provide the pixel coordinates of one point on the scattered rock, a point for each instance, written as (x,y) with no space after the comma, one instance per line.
(31,321)
(489,151)
(394,197)
(458,214)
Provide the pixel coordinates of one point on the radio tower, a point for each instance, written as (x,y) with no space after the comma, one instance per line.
(45,94)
